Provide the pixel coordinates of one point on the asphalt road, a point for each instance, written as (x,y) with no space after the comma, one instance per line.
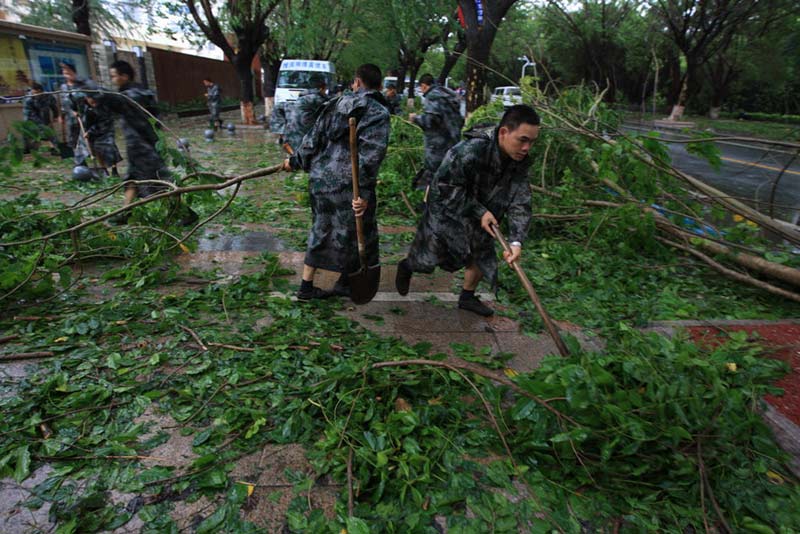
(748,172)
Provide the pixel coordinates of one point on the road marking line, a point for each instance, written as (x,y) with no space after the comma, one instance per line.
(759,165)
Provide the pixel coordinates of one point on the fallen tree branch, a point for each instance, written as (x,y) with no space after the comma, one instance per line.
(731,273)
(26,356)
(152,198)
(455,364)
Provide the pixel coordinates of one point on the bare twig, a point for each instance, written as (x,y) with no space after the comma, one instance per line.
(26,356)
(350,483)
(195,336)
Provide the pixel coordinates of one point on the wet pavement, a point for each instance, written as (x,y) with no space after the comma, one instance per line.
(749,171)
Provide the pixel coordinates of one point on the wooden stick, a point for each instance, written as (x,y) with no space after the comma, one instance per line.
(195,336)
(26,356)
(350,483)
(408,204)
(6,339)
(548,322)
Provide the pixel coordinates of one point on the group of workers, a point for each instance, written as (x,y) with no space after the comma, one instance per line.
(86,116)
(472,184)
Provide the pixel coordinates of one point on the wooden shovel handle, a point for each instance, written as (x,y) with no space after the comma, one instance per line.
(362,251)
(548,322)
(85,140)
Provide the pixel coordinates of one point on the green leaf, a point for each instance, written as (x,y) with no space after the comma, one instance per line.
(23,463)
(356,525)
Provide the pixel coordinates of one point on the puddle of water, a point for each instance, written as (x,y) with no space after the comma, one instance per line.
(246,242)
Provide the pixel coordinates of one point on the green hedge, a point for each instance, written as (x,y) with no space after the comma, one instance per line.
(756,116)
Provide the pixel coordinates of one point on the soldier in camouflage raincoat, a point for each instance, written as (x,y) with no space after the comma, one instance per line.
(144,161)
(441,122)
(277,120)
(214,98)
(98,121)
(73,103)
(301,114)
(37,108)
(325,155)
(394,100)
(481,181)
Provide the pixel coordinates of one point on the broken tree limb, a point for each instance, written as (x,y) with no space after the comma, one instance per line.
(26,356)
(730,273)
(152,198)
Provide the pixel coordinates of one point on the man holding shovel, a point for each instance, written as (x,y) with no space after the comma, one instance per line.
(325,154)
(480,181)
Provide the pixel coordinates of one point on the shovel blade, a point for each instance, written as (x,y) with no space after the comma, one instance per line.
(364,284)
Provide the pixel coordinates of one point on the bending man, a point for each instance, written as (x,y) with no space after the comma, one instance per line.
(481,181)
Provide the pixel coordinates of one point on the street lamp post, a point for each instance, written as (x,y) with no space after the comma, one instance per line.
(524,65)
(139,52)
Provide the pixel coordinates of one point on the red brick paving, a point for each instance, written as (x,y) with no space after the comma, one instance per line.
(783,342)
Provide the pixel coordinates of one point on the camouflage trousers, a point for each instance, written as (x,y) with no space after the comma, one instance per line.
(452,243)
(213,109)
(144,163)
(105,150)
(332,241)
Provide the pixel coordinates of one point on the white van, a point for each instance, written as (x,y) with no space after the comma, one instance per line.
(509,94)
(295,75)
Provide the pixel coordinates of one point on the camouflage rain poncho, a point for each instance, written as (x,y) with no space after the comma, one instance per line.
(214,102)
(300,116)
(73,101)
(441,122)
(277,119)
(144,161)
(473,178)
(325,155)
(38,109)
(99,124)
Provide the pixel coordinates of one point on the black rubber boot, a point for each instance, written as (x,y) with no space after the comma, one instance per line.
(470,302)
(342,286)
(308,291)
(402,280)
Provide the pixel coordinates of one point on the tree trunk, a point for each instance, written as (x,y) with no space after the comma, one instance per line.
(80,16)
(477,58)
(412,77)
(480,36)
(242,63)
(271,68)
(683,96)
(451,58)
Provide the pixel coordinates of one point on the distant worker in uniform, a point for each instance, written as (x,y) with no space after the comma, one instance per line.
(98,123)
(144,161)
(73,103)
(325,155)
(214,98)
(441,122)
(481,181)
(40,109)
(303,112)
(277,120)
(394,100)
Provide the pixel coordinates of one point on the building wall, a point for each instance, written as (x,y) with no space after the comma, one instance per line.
(180,76)
(31,53)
